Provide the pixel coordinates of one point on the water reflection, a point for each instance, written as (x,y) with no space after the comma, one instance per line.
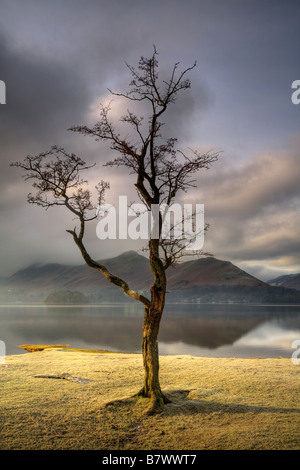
(268,340)
(206,330)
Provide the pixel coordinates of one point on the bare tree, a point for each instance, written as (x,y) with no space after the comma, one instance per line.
(162,172)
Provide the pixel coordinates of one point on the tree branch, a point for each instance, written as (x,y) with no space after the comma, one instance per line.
(56,178)
(111,277)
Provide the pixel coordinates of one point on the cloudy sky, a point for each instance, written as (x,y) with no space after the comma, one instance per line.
(59,57)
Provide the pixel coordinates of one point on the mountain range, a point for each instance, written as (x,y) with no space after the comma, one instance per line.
(287,280)
(204,280)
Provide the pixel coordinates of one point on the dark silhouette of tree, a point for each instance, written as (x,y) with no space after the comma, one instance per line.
(162,172)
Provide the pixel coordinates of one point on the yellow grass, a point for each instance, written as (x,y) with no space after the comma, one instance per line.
(216,403)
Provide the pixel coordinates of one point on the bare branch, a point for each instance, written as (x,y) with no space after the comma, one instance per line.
(117,281)
(162,170)
(53,180)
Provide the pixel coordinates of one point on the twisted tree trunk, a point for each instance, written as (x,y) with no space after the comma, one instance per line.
(153,313)
(151,388)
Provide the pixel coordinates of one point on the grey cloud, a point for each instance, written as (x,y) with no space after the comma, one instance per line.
(253,209)
(246,189)
(57,58)
(42,98)
(42,95)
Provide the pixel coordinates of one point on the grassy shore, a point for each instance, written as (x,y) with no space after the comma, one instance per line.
(60,398)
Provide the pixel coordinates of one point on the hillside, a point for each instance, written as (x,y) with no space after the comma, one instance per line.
(290,281)
(210,271)
(293,283)
(36,282)
(202,280)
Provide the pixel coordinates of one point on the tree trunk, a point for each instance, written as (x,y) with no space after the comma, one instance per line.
(151,388)
(153,313)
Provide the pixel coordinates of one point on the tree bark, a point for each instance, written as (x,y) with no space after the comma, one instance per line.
(153,313)
(151,388)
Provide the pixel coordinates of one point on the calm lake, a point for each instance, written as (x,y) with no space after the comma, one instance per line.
(202,330)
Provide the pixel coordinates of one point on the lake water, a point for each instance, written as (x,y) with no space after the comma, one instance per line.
(202,330)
